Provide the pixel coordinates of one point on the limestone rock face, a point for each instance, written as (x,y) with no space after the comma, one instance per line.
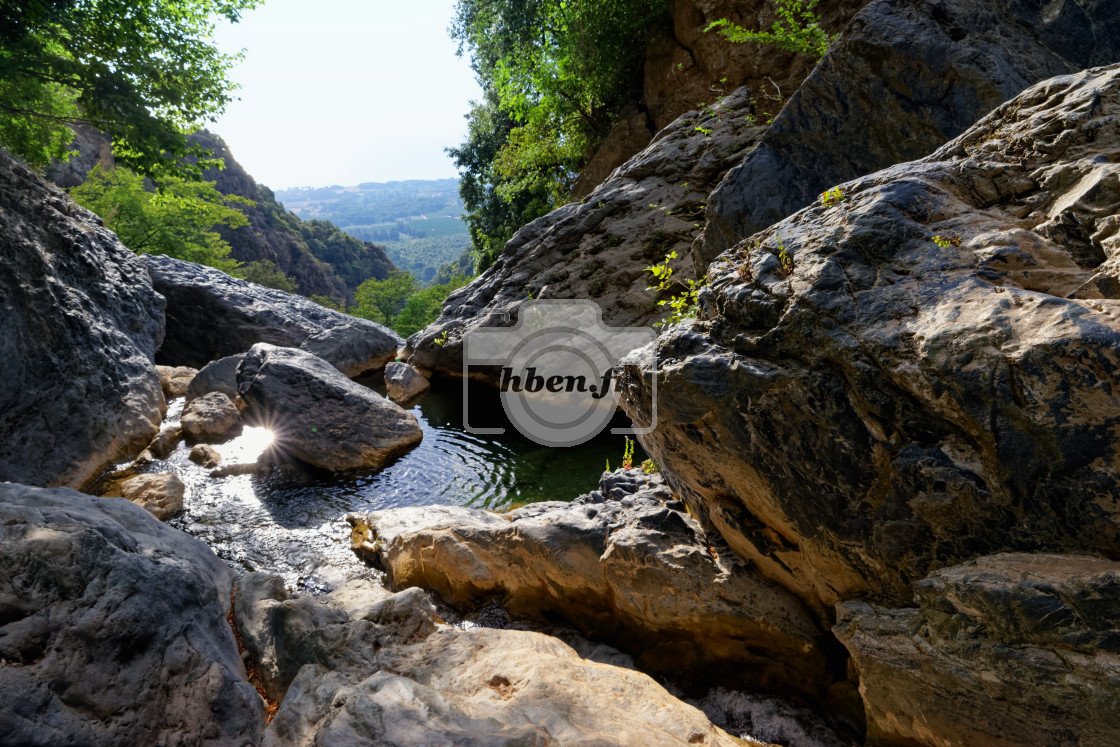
(885,405)
(605,562)
(212,315)
(319,416)
(175,379)
(403,381)
(370,667)
(685,67)
(114,628)
(600,248)
(1010,649)
(81,324)
(906,76)
(212,417)
(162,494)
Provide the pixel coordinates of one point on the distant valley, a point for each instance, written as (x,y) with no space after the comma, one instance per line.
(417,221)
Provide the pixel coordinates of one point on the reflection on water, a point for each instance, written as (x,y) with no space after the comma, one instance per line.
(291,521)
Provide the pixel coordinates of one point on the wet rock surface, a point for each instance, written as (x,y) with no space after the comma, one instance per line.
(211,315)
(319,416)
(888,405)
(1009,649)
(605,563)
(361,665)
(81,324)
(905,77)
(113,628)
(600,248)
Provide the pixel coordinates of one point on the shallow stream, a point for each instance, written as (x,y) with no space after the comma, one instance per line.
(291,522)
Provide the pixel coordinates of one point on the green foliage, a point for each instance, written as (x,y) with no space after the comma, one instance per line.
(650,467)
(628,454)
(423,307)
(785,259)
(329,301)
(796,30)
(177,219)
(144,71)
(266,273)
(555,74)
(685,304)
(947,241)
(381,300)
(400,303)
(834,196)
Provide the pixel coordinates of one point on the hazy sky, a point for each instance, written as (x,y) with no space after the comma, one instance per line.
(346,91)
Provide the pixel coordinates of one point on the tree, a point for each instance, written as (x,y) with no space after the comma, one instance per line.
(555,74)
(177,220)
(381,300)
(143,71)
(423,307)
(266,273)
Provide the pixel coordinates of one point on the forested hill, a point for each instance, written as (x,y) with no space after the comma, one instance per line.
(417,221)
(319,257)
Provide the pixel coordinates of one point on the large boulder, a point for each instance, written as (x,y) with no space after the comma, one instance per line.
(600,248)
(604,562)
(113,629)
(360,666)
(319,416)
(1007,650)
(905,77)
(930,372)
(212,315)
(81,324)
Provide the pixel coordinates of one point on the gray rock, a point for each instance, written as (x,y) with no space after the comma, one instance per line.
(212,418)
(600,248)
(404,382)
(374,668)
(907,76)
(205,455)
(343,631)
(212,315)
(892,405)
(216,376)
(319,416)
(1011,649)
(81,324)
(175,379)
(114,629)
(605,568)
(161,494)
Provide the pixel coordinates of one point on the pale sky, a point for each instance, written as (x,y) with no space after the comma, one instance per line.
(346,91)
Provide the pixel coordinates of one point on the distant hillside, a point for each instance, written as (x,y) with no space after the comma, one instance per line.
(416,221)
(316,254)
